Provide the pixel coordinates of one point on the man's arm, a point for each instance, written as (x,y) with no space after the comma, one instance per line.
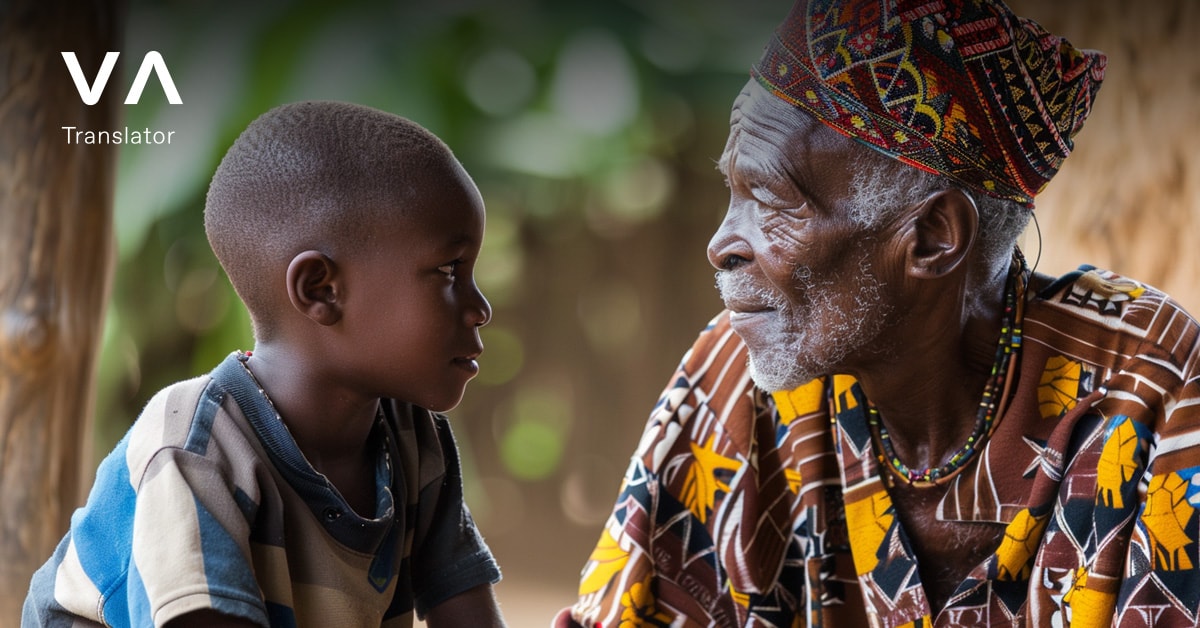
(620,579)
(475,607)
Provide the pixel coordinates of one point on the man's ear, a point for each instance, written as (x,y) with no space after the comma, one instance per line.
(946,226)
(314,287)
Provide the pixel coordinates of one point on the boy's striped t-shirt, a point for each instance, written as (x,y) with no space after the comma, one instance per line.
(208,503)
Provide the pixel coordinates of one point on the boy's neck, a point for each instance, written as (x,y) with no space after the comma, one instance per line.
(330,423)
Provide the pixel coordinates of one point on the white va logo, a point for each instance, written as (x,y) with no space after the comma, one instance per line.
(152,61)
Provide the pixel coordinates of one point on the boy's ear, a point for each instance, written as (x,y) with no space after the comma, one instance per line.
(946,226)
(314,287)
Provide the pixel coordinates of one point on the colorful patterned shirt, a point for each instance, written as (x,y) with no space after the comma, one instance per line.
(746,509)
(208,503)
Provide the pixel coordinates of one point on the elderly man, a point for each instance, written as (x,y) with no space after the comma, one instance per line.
(896,422)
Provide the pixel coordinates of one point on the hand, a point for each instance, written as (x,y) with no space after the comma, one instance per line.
(476,608)
(564,620)
(208,618)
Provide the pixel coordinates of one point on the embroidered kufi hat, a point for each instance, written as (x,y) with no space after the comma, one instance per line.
(963,88)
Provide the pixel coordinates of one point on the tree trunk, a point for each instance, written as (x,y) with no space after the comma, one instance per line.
(55,254)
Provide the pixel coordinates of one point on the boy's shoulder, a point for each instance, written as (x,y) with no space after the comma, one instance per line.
(197,416)
(166,420)
(173,404)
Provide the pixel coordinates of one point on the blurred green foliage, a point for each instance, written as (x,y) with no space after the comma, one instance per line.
(591,129)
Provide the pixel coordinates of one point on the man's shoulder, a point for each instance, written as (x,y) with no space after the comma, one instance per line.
(1108,297)
(1097,288)
(1103,309)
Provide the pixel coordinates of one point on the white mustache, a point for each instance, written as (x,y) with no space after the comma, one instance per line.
(740,287)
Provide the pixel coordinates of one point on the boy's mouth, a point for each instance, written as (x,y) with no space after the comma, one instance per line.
(467,364)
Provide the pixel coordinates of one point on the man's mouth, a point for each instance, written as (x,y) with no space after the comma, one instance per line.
(746,309)
(741,296)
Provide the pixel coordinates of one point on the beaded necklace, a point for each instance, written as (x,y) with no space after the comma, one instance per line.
(995,393)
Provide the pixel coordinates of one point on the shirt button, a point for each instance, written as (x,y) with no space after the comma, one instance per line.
(333,514)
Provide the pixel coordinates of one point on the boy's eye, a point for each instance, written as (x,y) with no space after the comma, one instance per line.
(448,269)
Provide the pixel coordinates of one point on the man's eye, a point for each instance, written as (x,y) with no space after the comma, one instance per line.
(768,198)
(449,269)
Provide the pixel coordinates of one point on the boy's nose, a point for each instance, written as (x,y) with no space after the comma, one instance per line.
(480,311)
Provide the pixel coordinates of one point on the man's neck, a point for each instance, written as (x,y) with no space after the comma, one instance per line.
(927,388)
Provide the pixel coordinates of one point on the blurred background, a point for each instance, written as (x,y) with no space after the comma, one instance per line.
(592,131)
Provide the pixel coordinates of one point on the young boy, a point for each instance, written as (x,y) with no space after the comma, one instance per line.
(309,482)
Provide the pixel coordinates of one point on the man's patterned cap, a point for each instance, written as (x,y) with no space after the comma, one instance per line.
(962,88)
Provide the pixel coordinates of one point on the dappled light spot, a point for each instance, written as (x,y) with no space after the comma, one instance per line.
(531,450)
(532,430)
(611,316)
(500,82)
(595,87)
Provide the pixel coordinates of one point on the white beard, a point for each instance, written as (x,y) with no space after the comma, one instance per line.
(808,339)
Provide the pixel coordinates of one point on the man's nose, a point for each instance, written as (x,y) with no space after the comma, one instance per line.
(728,247)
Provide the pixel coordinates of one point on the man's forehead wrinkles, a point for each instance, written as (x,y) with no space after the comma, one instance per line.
(768,155)
(759,165)
(771,142)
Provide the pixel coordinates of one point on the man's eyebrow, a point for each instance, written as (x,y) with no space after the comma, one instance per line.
(801,181)
(807,190)
(799,176)
(799,169)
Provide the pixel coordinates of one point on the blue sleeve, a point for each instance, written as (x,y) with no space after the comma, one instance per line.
(162,533)
(41,610)
(90,568)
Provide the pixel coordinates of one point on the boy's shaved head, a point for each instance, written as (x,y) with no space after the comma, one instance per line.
(310,176)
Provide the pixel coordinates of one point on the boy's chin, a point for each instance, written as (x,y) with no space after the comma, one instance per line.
(446,403)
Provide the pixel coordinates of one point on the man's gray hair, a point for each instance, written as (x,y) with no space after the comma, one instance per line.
(882,186)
